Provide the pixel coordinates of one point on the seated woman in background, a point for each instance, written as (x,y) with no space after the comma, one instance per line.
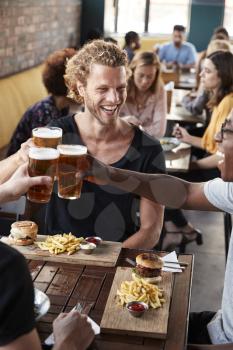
(196,105)
(132,43)
(54,106)
(216,76)
(146,99)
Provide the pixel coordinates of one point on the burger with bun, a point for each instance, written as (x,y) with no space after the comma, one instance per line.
(148,267)
(23,232)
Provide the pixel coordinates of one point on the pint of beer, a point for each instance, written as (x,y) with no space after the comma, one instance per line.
(47,136)
(42,161)
(72,159)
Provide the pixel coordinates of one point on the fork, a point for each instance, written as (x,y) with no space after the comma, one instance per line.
(78,307)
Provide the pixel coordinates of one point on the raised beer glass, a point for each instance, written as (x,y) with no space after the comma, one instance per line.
(47,136)
(42,161)
(72,159)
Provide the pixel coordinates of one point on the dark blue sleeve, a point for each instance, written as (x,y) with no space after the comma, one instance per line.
(21,134)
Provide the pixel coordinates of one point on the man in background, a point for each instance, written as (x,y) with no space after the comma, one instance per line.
(178,53)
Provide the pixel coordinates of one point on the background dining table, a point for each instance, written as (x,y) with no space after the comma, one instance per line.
(178,159)
(180,114)
(67,284)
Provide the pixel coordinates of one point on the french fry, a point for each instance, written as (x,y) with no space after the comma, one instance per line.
(59,243)
(140,291)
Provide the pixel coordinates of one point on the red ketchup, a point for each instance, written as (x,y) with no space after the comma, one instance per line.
(136,307)
(93,240)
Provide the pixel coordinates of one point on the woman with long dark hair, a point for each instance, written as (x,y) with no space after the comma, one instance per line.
(217,77)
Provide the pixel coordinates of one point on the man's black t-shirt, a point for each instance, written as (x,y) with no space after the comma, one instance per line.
(16,296)
(104,210)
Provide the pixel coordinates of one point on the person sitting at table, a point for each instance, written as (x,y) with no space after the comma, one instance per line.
(215,195)
(216,44)
(97,76)
(146,98)
(178,53)
(223,32)
(52,107)
(197,102)
(132,43)
(216,76)
(17,319)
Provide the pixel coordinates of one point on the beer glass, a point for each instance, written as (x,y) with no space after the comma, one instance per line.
(42,161)
(47,136)
(72,159)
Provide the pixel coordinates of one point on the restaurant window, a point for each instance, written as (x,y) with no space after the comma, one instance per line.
(228,23)
(145,16)
(164,14)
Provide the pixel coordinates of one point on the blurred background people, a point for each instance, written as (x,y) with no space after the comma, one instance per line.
(52,107)
(195,103)
(146,98)
(223,32)
(217,77)
(178,53)
(132,43)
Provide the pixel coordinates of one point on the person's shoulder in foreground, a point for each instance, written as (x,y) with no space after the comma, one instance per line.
(220,194)
(16,296)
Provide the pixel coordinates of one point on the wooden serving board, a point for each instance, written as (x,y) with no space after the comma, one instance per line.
(106,254)
(153,323)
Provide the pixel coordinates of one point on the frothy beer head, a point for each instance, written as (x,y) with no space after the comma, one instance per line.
(43,153)
(47,136)
(72,150)
(72,159)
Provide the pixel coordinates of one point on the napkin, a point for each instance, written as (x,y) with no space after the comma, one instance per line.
(94,325)
(171,257)
(169,86)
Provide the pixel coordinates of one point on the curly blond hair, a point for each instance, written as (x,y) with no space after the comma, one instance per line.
(78,67)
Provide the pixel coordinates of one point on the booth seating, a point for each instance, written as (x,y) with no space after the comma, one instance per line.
(18,92)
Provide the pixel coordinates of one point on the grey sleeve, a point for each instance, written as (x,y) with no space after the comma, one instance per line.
(196,105)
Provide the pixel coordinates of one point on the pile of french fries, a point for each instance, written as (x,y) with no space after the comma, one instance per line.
(61,243)
(140,290)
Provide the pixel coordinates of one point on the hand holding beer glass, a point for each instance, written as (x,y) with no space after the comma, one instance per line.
(42,161)
(72,159)
(47,136)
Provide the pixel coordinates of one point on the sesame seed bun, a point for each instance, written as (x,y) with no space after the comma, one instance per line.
(149,260)
(23,232)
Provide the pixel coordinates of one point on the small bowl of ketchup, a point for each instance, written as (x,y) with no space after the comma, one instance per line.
(93,239)
(136,308)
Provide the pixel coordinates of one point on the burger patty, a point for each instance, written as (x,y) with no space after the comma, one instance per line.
(147,272)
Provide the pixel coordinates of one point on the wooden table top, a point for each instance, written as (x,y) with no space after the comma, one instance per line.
(66,284)
(178,160)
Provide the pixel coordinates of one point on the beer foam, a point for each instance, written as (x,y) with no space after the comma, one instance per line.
(43,153)
(46,132)
(72,150)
